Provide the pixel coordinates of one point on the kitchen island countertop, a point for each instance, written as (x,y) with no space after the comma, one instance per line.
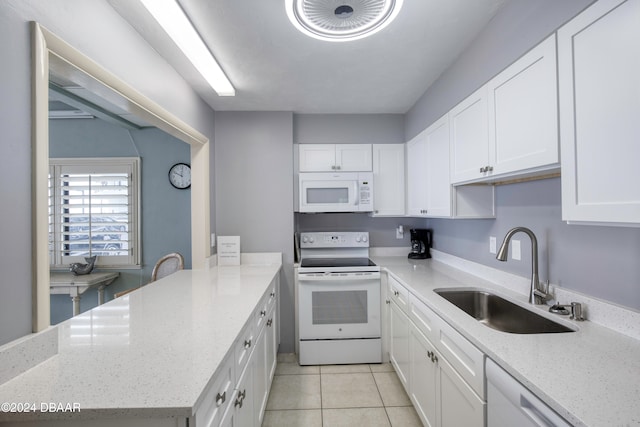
(148,354)
(590,377)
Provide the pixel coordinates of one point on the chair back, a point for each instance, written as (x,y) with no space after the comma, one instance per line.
(167,265)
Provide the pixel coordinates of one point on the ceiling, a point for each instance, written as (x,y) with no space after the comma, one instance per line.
(274,67)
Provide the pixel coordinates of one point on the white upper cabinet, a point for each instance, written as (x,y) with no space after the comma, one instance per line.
(388,180)
(335,157)
(509,126)
(599,69)
(428,185)
(469,137)
(523,112)
(438,181)
(417,175)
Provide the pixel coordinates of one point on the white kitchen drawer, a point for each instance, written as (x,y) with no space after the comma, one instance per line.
(424,318)
(399,294)
(271,295)
(264,307)
(463,356)
(217,395)
(260,315)
(243,348)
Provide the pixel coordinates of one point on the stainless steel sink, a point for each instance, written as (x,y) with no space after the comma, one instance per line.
(499,313)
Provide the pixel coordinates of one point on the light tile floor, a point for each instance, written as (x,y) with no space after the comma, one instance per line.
(337,395)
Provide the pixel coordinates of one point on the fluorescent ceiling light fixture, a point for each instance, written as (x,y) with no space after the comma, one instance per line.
(176,24)
(341,20)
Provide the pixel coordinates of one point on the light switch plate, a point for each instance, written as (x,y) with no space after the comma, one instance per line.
(492,245)
(515,250)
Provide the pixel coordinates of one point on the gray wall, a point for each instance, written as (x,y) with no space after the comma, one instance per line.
(598,261)
(518,27)
(165,211)
(95,29)
(382,231)
(254,193)
(348,128)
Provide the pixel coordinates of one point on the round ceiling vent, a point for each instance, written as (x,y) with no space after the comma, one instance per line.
(341,20)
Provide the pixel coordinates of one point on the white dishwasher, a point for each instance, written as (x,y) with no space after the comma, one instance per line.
(509,403)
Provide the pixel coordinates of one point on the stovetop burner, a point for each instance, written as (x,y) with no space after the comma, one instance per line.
(336,262)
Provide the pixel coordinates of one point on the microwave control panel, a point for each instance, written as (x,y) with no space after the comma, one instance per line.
(365,192)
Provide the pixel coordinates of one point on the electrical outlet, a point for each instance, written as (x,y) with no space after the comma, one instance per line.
(492,245)
(400,232)
(515,250)
(213,240)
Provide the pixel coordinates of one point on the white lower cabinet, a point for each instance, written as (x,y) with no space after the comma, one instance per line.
(218,397)
(441,371)
(459,405)
(399,345)
(239,392)
(240,411)
(423,391)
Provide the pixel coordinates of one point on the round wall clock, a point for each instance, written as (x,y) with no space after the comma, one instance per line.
(180,176)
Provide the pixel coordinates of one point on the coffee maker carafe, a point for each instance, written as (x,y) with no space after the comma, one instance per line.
(420,243)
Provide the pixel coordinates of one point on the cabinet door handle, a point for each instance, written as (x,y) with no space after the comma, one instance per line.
(338,167)
(489,168)
(396,293)
(272,294)
(269,322)
(220,398)
(263,313)
(388,301)
(333,167)
(482,170)
(430,355)
(247,344)
(240,398)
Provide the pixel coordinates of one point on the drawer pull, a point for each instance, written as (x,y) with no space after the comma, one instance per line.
(247,343)
(220,398)
(240,398)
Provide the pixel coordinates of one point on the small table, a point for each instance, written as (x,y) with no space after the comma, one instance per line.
(68,283)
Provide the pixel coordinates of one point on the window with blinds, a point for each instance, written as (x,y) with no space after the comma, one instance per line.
(93,210)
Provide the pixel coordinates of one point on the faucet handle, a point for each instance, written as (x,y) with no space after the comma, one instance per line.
(545,287)
(543,293)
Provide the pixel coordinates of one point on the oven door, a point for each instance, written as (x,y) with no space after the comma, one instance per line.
(339,305)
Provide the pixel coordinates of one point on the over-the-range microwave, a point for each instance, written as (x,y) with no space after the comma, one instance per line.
(336,192)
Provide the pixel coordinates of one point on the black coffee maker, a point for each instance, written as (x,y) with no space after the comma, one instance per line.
(420,243)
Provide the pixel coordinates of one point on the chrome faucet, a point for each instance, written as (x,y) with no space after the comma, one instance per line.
(537,295)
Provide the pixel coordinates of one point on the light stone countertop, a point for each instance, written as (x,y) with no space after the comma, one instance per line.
(150,353)
(590,377)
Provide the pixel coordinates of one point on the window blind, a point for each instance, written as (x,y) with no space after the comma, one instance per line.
(93,211)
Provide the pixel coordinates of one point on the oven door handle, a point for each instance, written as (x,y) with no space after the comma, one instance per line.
(332,277)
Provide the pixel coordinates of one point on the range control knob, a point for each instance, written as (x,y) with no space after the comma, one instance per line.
(305,239)
(364,238)
(358,239)
(311,239)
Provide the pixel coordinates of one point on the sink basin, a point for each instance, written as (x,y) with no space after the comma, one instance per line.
(499,313)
